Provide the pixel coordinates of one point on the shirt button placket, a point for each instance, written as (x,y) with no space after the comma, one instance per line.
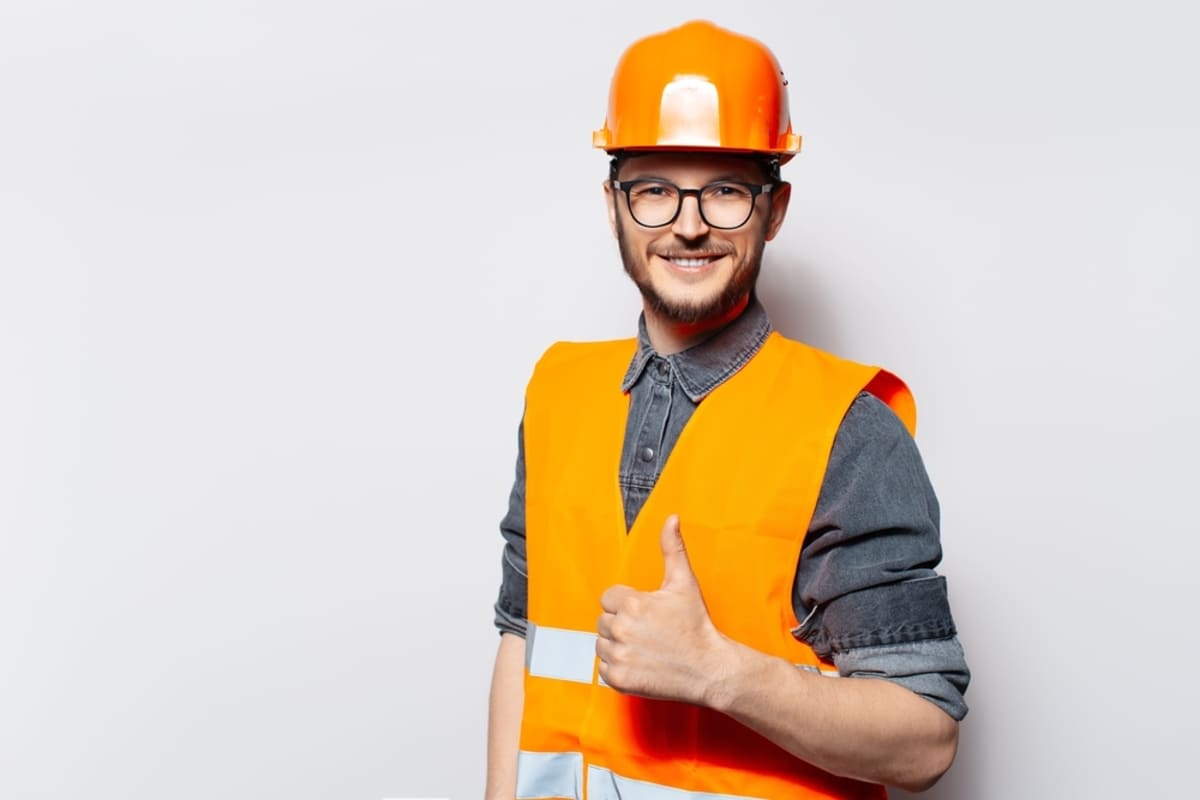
(655,420)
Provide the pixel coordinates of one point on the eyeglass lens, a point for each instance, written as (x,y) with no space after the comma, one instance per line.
(722,205)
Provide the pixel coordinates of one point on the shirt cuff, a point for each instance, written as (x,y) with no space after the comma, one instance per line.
(890,614)
(510,623)
(935,669)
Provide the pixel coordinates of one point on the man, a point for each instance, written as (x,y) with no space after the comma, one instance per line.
(711,523)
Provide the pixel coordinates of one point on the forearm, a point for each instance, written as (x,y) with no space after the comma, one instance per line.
(864,728)
(504,718)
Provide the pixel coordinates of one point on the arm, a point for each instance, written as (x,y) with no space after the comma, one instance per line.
(866,586)
(507,698)
(504,717)
(873,730)
(663,644)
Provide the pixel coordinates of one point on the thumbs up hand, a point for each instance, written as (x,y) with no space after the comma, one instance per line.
(661,644)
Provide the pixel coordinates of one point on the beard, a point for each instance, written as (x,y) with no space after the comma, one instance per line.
(740,285)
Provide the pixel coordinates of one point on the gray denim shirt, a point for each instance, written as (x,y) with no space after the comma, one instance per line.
(866,591)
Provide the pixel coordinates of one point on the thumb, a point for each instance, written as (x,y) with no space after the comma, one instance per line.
(677,569)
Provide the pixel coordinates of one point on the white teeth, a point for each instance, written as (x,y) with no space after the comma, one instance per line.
(691,262)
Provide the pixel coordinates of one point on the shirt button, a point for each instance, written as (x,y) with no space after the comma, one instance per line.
(647,454)
(662,367)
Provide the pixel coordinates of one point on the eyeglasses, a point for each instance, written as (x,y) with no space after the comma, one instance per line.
(723,204)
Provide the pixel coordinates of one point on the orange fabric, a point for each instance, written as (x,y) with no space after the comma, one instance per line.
(698,87)
(744,478)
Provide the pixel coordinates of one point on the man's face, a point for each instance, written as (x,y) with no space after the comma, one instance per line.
(687,271)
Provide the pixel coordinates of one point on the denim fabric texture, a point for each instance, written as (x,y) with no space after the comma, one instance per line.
(866,589)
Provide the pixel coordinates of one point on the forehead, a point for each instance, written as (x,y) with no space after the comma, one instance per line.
(690,168)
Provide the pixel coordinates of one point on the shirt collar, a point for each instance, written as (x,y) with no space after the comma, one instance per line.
(705,366)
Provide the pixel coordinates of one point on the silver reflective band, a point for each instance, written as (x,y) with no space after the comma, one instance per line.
(604,784)
(549,775)
(560,653)
(828,673)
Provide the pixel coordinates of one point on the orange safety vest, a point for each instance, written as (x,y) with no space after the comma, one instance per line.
(744,478)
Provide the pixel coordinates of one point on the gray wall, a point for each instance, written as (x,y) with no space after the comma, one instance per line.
(272,278)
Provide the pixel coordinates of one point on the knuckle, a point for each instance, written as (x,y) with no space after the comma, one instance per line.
(604,650)
(615,676)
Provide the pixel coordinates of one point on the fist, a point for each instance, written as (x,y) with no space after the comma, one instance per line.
(660,644)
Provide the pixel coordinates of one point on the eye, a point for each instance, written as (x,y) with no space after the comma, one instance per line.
(727,191)
(652,191)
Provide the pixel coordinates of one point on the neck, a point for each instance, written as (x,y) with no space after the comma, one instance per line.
(669,336)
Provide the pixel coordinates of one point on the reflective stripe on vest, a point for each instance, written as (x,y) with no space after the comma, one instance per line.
(828,673)
(544,775)
(549,775)
(560,653)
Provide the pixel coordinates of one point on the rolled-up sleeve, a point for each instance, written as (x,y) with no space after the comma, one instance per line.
(866,590)
(511,609)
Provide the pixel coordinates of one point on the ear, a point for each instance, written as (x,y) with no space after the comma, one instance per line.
(779,205)
(610,197)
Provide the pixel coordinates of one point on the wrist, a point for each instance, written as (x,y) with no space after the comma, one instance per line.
(726,674)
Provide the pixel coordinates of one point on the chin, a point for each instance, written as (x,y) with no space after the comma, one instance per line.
(687,309)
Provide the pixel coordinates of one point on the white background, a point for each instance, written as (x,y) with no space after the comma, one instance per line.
(273,277)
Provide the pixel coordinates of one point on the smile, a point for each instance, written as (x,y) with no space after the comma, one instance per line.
(692,263)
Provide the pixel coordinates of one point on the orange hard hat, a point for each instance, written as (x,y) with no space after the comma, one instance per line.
(698,87)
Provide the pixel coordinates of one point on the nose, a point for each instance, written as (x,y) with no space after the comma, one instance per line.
(689,224)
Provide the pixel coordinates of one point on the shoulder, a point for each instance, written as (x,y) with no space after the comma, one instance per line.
(869,419)
(874,451)
(876,478)
(580,364)
(822,370)
(815,361)
(565,354)
(816,368)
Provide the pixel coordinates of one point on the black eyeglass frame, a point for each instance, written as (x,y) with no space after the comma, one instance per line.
(755,190)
